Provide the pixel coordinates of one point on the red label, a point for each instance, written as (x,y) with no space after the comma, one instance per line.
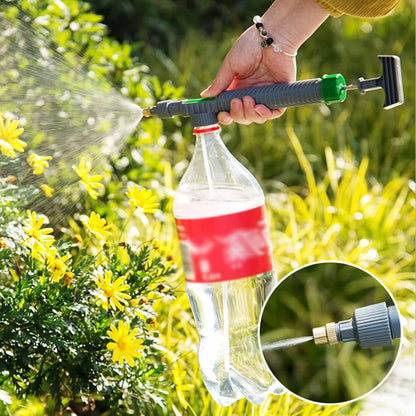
(227,247)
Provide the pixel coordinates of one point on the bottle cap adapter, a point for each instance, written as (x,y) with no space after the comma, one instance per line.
(371,326)
(328,89)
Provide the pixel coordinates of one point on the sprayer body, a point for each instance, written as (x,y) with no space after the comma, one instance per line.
(226,252)
(370,326)
(328,89)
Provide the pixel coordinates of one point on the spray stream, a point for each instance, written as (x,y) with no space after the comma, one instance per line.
(66,110)
(285,343)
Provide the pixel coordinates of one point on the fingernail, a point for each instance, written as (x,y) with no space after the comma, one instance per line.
(205,93)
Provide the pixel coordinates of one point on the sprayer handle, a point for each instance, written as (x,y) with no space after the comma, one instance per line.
(328,89)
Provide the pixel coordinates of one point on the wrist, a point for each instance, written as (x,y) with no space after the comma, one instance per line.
(267,40)
(291,22)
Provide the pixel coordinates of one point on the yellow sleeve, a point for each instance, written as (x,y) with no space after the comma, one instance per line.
(358,8)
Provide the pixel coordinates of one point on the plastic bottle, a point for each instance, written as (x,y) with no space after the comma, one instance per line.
(226,253)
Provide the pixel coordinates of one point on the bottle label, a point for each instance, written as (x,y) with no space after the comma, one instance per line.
(226,247)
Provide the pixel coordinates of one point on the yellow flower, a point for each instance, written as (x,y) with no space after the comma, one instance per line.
(39,240)
(57,266)
(38,163)
(125,346)
(151,322)
(2,244)
(68,276)
(143,199)
(156,244)
(111,292)
(97,226)
(91,183)
(123,255)
(33,229)
(78,239)
(9,133)
(47,190)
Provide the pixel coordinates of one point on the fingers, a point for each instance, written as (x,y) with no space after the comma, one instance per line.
(221,82)
(246,111)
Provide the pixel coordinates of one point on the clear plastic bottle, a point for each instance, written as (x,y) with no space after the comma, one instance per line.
(226,253)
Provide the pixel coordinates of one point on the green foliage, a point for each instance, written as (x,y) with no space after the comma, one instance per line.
(54,334)
(165,23)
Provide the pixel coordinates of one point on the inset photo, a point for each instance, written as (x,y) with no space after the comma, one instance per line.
(330,332)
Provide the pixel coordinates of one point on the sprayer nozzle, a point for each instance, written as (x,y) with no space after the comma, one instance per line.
(325,334)
(371,326)
(147,112)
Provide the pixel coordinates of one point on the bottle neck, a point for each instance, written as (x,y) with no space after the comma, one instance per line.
(207,129)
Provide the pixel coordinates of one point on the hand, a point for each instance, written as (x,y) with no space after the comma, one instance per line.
(290,23)
(247,64)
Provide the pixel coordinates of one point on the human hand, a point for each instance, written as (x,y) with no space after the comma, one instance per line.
(249,65)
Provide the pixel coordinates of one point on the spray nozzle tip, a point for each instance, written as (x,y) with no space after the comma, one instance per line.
(325,334)
(147,112)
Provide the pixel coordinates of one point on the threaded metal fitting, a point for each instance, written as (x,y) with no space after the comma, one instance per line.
(325,334)
(331,333)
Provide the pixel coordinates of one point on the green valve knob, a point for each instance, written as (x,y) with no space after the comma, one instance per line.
(333,88)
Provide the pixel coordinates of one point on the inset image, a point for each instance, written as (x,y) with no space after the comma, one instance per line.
(330,332)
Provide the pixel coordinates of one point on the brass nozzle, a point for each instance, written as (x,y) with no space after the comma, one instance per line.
(147,112)
(325,334)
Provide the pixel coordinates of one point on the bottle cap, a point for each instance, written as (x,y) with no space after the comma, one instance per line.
(206,129)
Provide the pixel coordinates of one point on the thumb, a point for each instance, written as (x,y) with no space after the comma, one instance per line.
(221,82)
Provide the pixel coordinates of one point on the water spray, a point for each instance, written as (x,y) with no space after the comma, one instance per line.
(370,326)
(328,89)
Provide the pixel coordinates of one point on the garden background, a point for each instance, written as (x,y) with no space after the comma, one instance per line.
(338,183)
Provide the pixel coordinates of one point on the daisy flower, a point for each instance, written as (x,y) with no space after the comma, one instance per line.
(111,293)
(142,199)
(124,346)
(91,183)
(9,133)
(38,163)
(97,225)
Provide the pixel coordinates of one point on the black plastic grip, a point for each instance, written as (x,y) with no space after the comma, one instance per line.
(274,96)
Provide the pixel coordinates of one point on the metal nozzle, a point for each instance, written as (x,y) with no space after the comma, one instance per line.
(147,112)
(325,334)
